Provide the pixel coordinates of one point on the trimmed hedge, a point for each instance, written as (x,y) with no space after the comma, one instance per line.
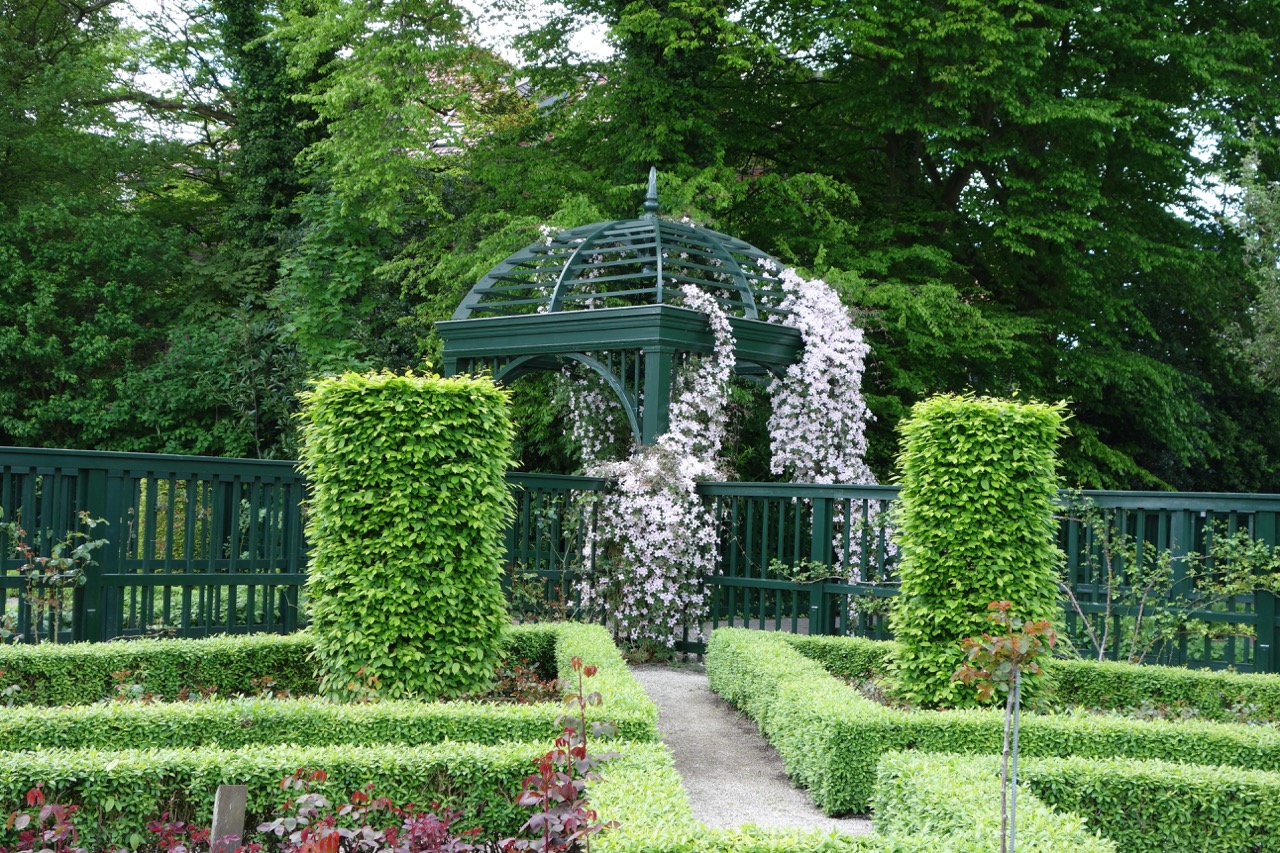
(974,524)
(80,673)
(1212,695)
(307,722)
(317,722)
(1156,805)
(847,657)
(1216,695)
(958,797)
(408,499)
(643,792)
(623,697)
(831,738)
(121,791)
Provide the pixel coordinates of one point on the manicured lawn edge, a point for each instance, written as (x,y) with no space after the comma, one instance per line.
(831,738)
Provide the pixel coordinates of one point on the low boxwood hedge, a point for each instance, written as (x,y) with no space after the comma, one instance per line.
(316,722)
(1217,695)
(311,721)
(1209,694)
(1156,805)
(958,798)
(644,794)
(831,738)
(119,792)
(51,674)
(80,673)
(623,697)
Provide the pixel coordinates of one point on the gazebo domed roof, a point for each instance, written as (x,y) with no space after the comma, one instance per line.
(628,262)
(606,296)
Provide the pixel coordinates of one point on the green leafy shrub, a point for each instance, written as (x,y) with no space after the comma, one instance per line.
(916,792)
(643,792)
(1216,695)
(1207,694)
(831,738)
(306,722)
(1156,805)
(121,791)
(975,525)
(317,722)
(847,657)
(408,504)
(81,673)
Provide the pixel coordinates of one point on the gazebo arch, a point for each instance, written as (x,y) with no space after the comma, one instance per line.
(601,295)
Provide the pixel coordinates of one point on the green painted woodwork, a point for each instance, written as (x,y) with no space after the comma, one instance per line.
(627,262)
(600,295)
(761,522)
(195,545)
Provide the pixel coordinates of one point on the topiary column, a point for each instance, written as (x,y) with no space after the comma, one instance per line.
(407,508)
(975,525)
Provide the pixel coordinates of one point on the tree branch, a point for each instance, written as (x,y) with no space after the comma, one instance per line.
(84,10)
(154,103)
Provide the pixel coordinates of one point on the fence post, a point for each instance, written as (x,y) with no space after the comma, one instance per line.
(86,623)
(820,553)
(1266,658)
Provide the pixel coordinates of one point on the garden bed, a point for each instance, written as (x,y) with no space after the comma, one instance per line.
(122,790)
(831,738)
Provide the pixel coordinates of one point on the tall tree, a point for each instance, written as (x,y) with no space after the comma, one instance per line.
(87,265)
(1027,181)
(401,89)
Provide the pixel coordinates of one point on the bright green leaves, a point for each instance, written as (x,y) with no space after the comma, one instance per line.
(408,509)
(975,526)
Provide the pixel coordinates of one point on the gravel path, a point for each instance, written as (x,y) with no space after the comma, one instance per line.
(732,776)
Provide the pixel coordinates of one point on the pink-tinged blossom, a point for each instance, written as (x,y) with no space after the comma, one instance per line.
(655,539)
(817,430)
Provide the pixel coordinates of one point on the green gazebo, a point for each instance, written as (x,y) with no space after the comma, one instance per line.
(600,295)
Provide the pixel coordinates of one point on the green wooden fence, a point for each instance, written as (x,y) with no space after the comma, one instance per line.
(201,545)
(779,542)
(195,545)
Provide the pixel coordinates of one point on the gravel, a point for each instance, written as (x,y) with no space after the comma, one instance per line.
(733,777)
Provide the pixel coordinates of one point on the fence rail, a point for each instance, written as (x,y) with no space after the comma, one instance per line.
(202,545)
(810,558)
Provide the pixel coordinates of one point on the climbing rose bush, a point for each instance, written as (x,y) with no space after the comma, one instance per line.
(654,538)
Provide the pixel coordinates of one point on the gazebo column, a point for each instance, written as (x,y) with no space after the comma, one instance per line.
(655,411)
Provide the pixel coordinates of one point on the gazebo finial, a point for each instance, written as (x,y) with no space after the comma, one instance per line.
(651,199)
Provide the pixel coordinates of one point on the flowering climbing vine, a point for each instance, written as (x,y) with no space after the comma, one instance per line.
(817,431)
(654,538)
(817,427)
